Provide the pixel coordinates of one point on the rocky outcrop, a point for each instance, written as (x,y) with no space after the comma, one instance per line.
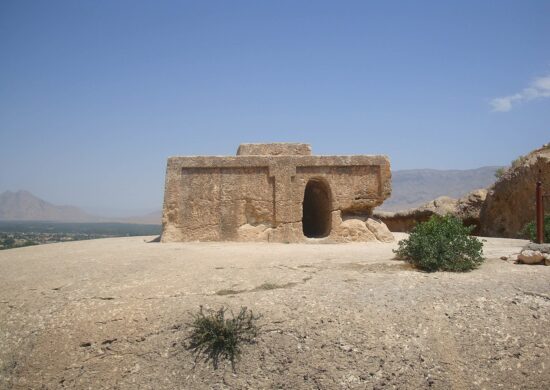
(510,202)
(404,221)
(466,208)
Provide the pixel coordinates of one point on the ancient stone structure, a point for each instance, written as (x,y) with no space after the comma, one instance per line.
(277,193)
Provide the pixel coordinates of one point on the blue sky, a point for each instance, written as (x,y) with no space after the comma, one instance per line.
(95,95)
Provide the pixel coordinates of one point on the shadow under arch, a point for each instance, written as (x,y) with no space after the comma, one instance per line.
(317,209)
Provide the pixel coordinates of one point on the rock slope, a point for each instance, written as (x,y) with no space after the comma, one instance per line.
(510,202)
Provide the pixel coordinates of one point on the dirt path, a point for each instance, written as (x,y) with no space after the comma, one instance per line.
(111,313)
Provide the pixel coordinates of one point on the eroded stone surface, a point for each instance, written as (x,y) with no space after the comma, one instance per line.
(530,257)
(274,149)
(379,229)
(259,195)
(114,314)
(353,230)
(510,203)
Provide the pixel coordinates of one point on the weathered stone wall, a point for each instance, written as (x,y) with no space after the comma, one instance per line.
(259,197)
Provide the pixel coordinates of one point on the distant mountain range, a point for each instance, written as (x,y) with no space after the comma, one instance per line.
(24,206)
(411,188)
(414,187)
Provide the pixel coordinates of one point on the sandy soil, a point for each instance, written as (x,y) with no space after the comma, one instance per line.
(111,313)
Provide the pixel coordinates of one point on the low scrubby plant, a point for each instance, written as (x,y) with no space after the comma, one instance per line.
(216,337)
(519,161)
(500,172)
(441,244)
(529,231)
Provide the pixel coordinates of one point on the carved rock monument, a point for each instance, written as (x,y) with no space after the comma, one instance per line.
(275,192)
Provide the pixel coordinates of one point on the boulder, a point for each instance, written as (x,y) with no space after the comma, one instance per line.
(353,229)
(528,256)
(379,229)
(248,232)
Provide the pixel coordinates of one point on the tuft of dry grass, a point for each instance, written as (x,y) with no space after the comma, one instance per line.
(215,336)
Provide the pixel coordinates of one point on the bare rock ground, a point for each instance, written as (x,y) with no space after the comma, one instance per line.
(112,313)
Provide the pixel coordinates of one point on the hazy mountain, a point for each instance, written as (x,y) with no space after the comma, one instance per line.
(414,187)
(24,206)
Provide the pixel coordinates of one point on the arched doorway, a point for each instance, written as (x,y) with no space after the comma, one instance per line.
(316,215)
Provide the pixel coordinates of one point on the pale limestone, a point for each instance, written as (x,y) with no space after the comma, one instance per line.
(274,149)
(276,193)
(353,230)
(131,301)
(379,229)
(530,257)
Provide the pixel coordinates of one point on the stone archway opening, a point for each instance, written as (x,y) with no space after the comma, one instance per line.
(316,209)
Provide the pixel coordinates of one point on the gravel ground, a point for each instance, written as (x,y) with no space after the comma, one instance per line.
(112,313)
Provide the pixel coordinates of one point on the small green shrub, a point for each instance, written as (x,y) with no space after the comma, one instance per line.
(216,337)
(529,231)
(500,172)
(441,244)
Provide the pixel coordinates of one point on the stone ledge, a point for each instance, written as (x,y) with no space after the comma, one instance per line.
(274,149)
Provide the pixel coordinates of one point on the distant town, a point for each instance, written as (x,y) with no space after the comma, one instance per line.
(19,234)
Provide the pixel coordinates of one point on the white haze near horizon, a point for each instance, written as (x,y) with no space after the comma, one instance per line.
(388,205)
